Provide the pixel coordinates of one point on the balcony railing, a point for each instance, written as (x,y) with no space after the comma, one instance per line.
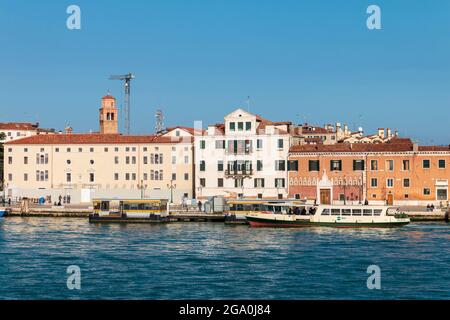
(238,173)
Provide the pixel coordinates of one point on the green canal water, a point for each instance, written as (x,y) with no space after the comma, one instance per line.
(214,261)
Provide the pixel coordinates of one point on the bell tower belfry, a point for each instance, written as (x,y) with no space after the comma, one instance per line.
(109,123)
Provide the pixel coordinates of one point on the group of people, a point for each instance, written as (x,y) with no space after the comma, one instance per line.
(430,207)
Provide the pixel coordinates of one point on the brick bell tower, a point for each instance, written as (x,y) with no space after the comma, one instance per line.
(109,123)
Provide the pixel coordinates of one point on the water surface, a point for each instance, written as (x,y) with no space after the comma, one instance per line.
(214,261)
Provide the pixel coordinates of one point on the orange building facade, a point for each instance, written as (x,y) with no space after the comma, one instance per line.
(395,173)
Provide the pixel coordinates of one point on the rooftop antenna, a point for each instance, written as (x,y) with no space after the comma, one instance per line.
(127,79)
(159,121)
(248,103)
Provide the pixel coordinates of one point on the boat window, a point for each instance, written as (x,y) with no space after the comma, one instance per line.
(377,212)
(346,212)
(367,212)
(326,212)
(239,207)
(97,205)
(356,212)
(335,212)
(247,207)
(105,205)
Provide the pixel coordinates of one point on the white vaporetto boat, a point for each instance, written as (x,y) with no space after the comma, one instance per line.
(341,216)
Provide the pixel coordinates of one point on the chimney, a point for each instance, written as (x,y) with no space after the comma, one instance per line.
(415,147)
(68,130)
(381,133)
(346,133)
(389,133)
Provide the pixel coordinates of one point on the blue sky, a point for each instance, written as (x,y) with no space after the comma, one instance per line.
(198,60)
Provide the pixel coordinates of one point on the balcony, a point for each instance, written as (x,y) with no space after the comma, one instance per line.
(238,173)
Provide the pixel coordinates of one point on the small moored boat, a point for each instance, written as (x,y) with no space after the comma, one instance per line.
(130,210)
(334,216)
(2,211)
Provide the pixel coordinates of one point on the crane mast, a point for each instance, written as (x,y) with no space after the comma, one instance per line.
(127,106)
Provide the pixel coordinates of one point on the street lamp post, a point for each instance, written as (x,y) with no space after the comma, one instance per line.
(171,186)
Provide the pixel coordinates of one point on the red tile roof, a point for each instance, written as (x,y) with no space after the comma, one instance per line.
(190,130)
(97,138)
(402,145)
(26,126)
(108,96)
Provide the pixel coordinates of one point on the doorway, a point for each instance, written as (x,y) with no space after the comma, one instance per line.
(325,196)
(390,199)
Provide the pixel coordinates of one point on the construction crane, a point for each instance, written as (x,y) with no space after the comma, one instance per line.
(126,108)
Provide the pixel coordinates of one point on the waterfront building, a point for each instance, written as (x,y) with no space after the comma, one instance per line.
(18,130)
(243,157)
(104,164)
(397,172)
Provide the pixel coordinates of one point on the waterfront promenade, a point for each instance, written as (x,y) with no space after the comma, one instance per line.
(416,213)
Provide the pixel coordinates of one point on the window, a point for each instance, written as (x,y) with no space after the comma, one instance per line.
(259,183)
(174,176)
(406,183)
(105,149)
(441,164)
(232,126)
(56,150)
(116,149)
(133,160)
(68,177)
(336,165)
(9,160)
(405,165)
(374,182)
(91,162)
(186,176)
(91,149)
(314,165)
(202,182)
(202,165)
(186,159)
(389,165)
(259,144)
(426,164)
(127,176)
(145,176)
(25,160)
(116,176)
(220,166)
(292,165)
(91,177)
(426,191)
(25,177)
(390,183)
(127,160)
(202,144)
(220,144)
(358,165)
(240,126)
(442,194)
(174,159)
(280,143)
(248,126)
(220,182)
(279,183)
(280,165)
(116,160)
(259,165)
(238,183)
(10,176)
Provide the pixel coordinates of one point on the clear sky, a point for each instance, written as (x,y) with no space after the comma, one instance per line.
(198,60)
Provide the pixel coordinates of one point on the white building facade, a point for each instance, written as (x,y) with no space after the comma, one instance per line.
(245,157)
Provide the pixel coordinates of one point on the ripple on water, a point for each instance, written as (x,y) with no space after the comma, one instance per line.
(213,261)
